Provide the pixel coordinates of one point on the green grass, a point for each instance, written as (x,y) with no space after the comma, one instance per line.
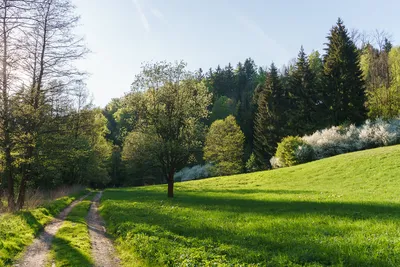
(340,211)
(17,230)
(71,245)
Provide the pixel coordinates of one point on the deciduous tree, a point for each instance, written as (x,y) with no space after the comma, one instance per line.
(224,146)
(175,103)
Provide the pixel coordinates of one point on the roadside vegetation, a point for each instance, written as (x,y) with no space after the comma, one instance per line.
(17,230)
(339,211)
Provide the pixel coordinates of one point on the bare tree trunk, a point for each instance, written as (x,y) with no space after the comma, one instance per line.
(21,195)
(170,180)
(6,113)
(25,178)
(170,188)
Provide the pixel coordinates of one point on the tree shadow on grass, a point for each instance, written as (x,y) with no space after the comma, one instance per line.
(67,255)
(280,207)
(316,240)
(31,221)
(241,191)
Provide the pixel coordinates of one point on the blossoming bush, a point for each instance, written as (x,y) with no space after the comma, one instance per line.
(339,140)
(193,173)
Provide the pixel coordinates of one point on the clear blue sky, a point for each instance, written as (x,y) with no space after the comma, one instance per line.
(123,33)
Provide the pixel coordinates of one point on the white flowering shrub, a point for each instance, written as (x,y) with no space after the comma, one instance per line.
(276,163)
(304,153)
(193,173)
(380,133)
(339,140)
(333,141)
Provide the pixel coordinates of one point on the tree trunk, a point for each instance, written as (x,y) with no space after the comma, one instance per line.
(6,115)
(10,180)
(26,176)
(1,197)
(21,195)
(170,180)
(171,188)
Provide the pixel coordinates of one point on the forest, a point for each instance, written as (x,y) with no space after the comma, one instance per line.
(225,120)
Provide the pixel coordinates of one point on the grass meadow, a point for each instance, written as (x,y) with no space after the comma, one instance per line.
(340,211)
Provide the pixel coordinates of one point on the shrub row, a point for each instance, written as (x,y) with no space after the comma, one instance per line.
(336,140)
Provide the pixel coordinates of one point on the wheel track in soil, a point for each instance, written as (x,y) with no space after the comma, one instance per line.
(103,252)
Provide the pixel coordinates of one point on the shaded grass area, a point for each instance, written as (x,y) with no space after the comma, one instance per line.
(341,211)
(17,230)
(71,245)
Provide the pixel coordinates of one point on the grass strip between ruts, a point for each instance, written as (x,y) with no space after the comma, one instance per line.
(71,245)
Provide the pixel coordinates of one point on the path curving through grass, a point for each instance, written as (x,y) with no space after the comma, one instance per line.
(37,253)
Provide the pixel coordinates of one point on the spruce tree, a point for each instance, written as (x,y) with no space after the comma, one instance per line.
(229,82)
(303,98)
(268,119)
(344,92)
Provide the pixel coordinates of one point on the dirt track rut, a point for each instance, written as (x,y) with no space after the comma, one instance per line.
(102,248)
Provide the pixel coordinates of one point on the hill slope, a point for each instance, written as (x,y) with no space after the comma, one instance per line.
(340,211)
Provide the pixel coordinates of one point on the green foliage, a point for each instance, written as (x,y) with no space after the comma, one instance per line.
(238,85)
(269,118)
(80,155)
(71,245)
(292,150)
(140,166)
(19,229)
(304,96)
(341,211)
(224,146)
(344,94)
(174,105)
(222,108)
(381,70)
(251,164)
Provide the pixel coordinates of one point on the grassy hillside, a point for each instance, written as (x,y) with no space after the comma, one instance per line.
(341,211)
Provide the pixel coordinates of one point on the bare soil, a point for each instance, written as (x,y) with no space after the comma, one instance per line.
(103,252)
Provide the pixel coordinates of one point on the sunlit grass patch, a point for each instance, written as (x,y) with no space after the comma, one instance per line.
(17,230)
(71,245)
(341,211)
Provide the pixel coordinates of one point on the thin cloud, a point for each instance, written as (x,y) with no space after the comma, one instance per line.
(142,16)
(158,14)
(253,27)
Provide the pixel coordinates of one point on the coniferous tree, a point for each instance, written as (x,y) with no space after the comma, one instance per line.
(303,98)
(387,46)
(246,85)
(229,82)
(344,88)
(268,128)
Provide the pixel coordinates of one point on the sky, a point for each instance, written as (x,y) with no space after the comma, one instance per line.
(122,34)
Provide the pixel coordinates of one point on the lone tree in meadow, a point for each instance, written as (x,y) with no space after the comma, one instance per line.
(345,90)
(224,146)
(173,104)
